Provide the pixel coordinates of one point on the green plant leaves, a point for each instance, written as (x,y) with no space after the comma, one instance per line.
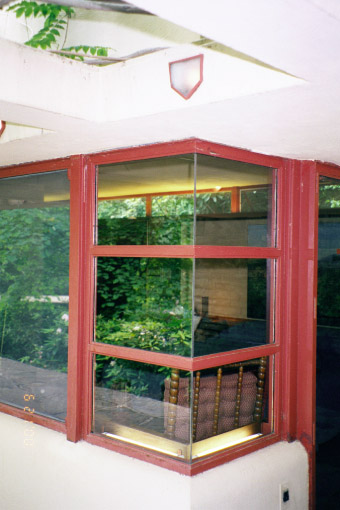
(54,15)
(57,17)
(27,9)
(99,51)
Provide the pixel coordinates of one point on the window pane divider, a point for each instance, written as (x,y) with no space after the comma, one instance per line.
(182,251)
(182,362)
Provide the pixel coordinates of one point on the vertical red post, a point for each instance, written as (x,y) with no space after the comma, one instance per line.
(89,291)
(290,211)
(300,224)
(148,205)
(235,199)
(76,305)
(306,341)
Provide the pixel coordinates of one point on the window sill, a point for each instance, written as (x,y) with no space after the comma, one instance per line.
(177,464)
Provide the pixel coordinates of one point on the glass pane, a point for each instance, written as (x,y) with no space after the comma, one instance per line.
(328,344)
(171,220)
(213,203)
(231,304)
(329,259)
(132,403)
(121,220)
(230,397)
(34,253)
(186,415)
(239,195)
(329,195)
(145,303)
(255,200)
(146,202)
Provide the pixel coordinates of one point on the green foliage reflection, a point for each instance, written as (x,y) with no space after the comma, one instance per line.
(34,252)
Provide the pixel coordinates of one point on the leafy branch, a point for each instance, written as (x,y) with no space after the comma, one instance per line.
(95,51)
(56,20)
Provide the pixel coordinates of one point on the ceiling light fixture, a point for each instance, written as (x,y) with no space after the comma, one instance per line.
(186,75)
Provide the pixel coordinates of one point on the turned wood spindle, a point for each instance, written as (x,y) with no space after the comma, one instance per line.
(195,405)
(260,390)
(217,400)
(173,399)
(238,397)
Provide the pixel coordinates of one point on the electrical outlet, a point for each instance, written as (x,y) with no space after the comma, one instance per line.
(285,497)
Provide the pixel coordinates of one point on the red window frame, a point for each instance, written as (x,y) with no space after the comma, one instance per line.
(29,169)
(191,364)
(300,385)
(296,291)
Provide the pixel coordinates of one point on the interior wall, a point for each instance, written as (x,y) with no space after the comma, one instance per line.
(50,472)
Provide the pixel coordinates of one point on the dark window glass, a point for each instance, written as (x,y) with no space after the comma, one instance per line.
(328,341)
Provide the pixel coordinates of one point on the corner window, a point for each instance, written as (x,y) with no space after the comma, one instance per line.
(185,261)
(163,343)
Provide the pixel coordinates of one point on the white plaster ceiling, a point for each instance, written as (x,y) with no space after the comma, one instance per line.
(241,104)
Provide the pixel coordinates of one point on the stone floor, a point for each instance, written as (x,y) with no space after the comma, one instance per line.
(48,387)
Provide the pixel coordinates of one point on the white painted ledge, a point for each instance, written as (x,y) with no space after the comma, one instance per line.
(56,474)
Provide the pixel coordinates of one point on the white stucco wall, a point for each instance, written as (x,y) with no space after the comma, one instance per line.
(55,474)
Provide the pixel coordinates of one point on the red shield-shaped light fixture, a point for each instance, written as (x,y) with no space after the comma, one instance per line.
(2,126)
(186,75)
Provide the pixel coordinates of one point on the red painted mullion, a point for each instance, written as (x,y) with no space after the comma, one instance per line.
(76,304)
(184,147)
(238,252)
(306,331)
(307,275)
(89,293)
(36,418)
(273,382)
(185,251)
(182,362)
(225,358)
(277,270)
(328,170)
(223,151)
(142,356)
(34,168)
(290,298)
(273,270)
(235,199)
(143,251)
(157,150)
